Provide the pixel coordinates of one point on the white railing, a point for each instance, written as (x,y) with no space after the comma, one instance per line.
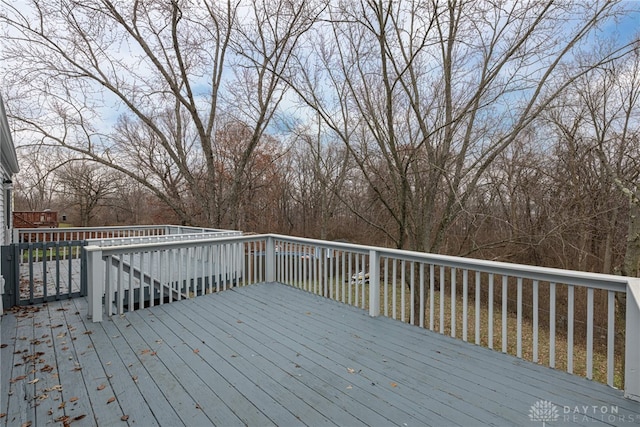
(48,260)
(25,235)
(133,276)
(172,237)
(530,312)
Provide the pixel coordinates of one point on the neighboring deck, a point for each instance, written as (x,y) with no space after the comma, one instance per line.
(270,354)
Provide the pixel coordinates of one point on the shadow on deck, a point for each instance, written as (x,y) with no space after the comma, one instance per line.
(270,354)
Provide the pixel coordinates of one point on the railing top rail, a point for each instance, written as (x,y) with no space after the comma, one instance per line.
(165,238)
(158,246)
(544,274)
(117,227)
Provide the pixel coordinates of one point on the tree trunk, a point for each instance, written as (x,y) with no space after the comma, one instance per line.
(631,266)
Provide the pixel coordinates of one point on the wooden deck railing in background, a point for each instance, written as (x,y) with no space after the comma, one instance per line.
(528,311)
(130,275)
(26,235)
(48,263)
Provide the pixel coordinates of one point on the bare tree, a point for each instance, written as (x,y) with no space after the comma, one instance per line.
(86,186)
(611,96)
(35,184)
(164,67)
(426,95)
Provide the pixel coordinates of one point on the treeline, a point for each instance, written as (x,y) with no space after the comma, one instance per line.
(497,130)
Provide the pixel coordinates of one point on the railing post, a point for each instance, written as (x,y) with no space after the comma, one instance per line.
(632,342)
(95,286)
(270,260)
(374,283)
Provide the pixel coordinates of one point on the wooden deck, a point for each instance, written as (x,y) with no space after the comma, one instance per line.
(270,354)
(64,275)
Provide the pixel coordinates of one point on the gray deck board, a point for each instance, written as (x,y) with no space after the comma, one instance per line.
(432,365)
(269,354)
(349,350)
(197,381)
(137,393)
(266,377)
(438,359)
(334,375)
(281,363)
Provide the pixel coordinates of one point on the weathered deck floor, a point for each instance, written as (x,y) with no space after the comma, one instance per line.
(272,355)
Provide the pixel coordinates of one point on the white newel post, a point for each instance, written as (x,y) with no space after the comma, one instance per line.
(94,286)
(270,260)
(374,283)
(632,342)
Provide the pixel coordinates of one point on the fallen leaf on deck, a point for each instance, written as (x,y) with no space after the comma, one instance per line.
(101,387)
(57,387)
(135,378)
(27,424)
(308,313)
(73,399)
(124,417)
(349,387)
(111,400)
(87,332)
(18,378)
(198,406)
(50,412)
(196,351)
(394,385)
(62,405)
(4,345)
(239,321)
(3,415)
(79,417)
(77,368)
(351,370)
(35,380)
